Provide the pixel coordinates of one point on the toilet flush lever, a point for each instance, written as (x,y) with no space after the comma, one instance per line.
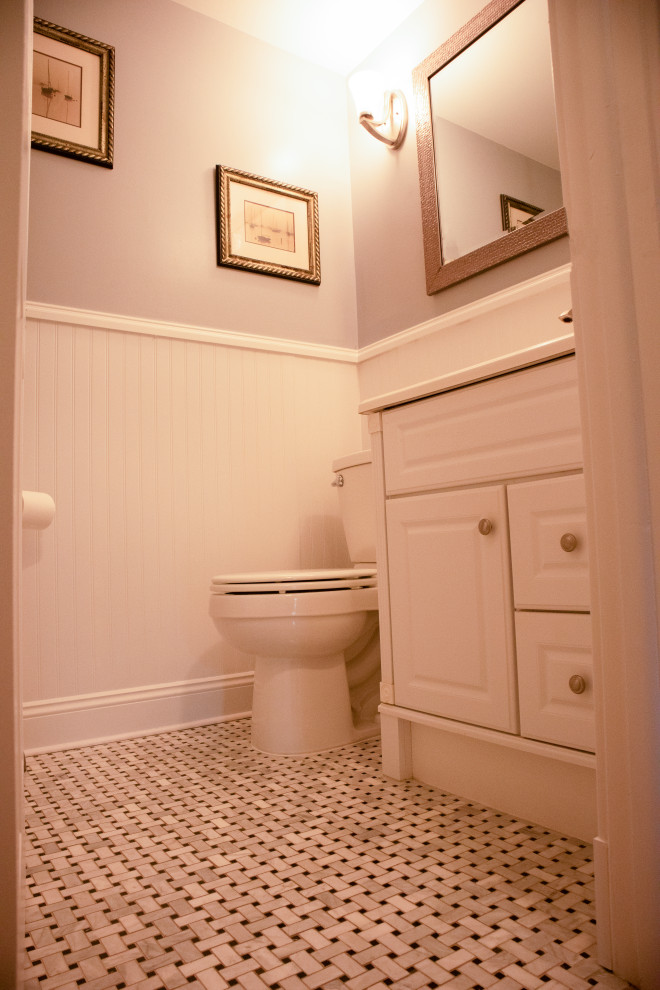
(338,482)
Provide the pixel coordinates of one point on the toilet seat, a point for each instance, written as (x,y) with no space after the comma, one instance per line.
(286,582)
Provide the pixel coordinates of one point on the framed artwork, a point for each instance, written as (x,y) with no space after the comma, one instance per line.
(267,226)
(515,213)
(72,94)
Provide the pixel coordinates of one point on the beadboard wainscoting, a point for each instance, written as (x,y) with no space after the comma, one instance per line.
(459,342)
(172,454)
(175,453)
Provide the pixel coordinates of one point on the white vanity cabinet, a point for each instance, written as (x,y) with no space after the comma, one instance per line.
(487,563)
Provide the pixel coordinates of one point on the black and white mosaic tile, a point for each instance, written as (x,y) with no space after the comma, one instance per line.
(188,859)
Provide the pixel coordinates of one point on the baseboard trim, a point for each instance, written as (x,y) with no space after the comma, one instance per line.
(83,720)
(493,737)
(603,911)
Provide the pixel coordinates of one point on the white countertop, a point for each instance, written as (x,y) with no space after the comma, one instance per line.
(558,347)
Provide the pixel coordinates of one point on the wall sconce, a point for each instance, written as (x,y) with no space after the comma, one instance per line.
(383,112)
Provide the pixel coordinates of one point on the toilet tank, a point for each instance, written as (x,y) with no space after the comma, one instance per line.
(357,505)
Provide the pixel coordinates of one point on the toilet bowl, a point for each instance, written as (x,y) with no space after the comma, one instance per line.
(297,626)
(313,635)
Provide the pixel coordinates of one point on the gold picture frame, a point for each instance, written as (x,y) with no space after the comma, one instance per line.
(515,213)
(72,94)
(267,226)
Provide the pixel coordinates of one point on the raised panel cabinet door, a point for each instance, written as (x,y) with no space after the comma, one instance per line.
(548,523)
(555,675)
(450,601)
(523,423)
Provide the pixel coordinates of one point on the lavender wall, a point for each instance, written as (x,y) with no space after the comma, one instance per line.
(387,223)
(139,240)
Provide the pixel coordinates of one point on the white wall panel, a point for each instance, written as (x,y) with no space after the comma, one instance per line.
(169,460)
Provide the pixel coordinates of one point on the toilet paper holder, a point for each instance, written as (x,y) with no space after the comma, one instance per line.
(38,510)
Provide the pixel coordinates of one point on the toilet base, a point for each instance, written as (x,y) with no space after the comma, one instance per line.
(302,705)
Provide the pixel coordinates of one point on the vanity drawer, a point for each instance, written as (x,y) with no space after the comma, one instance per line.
(554,652)
(521,423)
(548,532)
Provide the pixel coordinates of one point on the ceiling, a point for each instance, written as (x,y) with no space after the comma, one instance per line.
(337,34)
(481,90)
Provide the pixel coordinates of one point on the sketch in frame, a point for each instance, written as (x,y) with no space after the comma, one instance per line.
(72,94)
(517,214)
(267,226)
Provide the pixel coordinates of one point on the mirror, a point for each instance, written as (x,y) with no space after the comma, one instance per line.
(487,143)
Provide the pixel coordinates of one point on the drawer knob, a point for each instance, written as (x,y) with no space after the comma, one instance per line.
(577,684)
(485,526)
(568,542)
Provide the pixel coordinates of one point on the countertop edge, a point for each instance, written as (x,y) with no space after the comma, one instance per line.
(559,347)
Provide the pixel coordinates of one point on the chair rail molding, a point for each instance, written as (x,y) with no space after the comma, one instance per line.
(51,313)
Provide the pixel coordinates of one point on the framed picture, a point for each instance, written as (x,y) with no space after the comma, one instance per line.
(72,94)
(515,213)
(266,226)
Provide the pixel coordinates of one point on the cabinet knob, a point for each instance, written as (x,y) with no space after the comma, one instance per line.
(577,684)
(568,542)
(485,526)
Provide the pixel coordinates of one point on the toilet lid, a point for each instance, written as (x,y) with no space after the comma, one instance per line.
(281,582)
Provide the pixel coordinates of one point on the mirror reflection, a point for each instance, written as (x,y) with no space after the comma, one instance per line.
(488,158)
(494,133)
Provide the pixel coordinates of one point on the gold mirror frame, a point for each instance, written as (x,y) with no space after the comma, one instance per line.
(543,230)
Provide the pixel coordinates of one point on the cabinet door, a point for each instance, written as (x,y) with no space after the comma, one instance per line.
(556,678)
(549,556)
(451,613)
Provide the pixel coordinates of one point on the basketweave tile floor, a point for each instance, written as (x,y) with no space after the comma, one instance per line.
(189,859)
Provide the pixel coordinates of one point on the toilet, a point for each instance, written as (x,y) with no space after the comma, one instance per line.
(313,634)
